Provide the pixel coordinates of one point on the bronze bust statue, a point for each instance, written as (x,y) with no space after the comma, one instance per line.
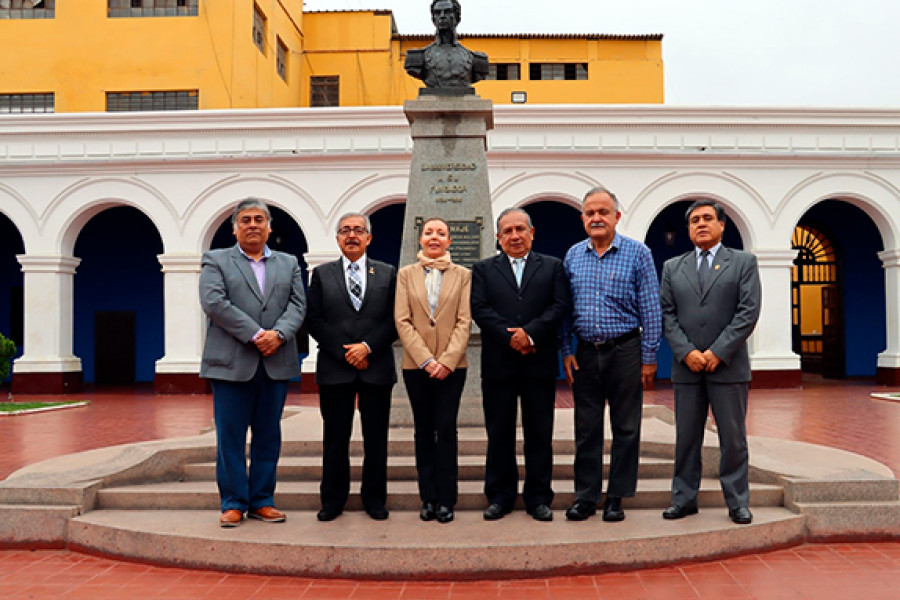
(446,66)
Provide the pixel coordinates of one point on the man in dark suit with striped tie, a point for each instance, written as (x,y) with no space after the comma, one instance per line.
(351,316)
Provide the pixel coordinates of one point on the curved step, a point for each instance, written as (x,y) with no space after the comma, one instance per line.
(402,495)
(403,546)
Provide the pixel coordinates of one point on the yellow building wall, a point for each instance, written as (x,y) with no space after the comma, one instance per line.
(363,49)
(81,54)
(357,47)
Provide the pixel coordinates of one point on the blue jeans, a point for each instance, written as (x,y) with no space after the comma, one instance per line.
(238,406)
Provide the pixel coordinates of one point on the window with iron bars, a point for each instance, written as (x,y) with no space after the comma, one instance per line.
(26,103)
(146,101)
(152,8)
(27,9)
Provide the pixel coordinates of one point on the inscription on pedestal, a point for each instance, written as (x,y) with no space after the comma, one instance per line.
(451,183)
(466,236)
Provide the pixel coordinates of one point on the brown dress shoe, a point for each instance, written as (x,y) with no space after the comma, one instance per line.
(269,514)
(231,518)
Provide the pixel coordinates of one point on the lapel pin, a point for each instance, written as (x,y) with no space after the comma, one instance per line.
(716,268)
(372,270)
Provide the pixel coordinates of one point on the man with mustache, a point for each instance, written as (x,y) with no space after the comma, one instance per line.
(351,316)
(617,320)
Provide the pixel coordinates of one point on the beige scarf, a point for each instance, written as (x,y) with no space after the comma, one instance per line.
(435,268)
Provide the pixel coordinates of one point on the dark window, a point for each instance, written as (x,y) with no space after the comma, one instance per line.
(27,9)
(143,101)
(281,59)
(152,8)
(324,91)
(504,71)
(259,29)
(558,71)
(26,103)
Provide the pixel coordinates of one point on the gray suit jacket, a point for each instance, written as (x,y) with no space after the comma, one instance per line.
(236,309)
(334,322)
(720,319)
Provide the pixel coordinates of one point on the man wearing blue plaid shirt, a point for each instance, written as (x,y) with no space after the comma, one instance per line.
(617,320)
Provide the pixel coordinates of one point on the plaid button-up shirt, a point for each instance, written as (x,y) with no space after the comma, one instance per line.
(612,295)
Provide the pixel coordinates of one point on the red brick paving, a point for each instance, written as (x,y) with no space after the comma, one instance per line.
(841,415)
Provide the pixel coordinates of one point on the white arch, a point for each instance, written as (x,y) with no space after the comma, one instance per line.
(745,207)
(879,199)
(212,207)
(526,187)
(19,211)
(67,214)
(368,195)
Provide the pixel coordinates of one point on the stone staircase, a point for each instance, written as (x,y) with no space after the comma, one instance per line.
(157,502)
(299,473)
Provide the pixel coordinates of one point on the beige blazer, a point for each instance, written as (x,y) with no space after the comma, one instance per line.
(443,337)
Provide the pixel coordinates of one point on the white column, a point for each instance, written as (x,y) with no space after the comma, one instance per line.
(770,344)
(184,321)
(890,358)
(313,260)
(49,315)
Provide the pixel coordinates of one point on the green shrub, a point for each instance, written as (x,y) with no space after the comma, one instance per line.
(7,352)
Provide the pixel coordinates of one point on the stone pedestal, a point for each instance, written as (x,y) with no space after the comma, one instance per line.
(448,179)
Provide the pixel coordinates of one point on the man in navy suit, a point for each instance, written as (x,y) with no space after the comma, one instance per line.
(351,316)
(519,298)
(710,301)
(253,299)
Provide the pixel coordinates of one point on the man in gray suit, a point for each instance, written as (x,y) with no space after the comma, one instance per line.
(254,303)
(351,316)
(710,301)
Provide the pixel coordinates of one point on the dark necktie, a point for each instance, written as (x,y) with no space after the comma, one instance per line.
(703,269)
(355,286)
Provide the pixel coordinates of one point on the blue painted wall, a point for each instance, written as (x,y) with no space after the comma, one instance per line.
(10,282)
(119,271)
(857,242)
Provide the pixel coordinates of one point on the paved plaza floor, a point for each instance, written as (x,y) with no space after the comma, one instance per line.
(837,414)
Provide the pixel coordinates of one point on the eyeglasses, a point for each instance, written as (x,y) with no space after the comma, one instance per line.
(357,230)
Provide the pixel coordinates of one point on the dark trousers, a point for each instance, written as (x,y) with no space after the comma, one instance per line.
(729,407)
(500,399)
(337,404)
(238,406)
(435,406)
(611,376)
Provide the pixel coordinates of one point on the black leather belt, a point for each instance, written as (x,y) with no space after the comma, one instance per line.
(610,344)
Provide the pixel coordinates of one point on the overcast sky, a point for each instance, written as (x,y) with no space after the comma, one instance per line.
(834,53)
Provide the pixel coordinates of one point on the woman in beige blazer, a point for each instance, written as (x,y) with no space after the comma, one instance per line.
(433,316)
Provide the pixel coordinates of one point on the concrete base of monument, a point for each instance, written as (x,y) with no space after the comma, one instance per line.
(471,413)
(157,502)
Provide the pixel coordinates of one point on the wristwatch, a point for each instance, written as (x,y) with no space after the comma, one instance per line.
(281,336)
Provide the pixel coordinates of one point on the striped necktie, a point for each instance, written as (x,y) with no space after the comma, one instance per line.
(355,284)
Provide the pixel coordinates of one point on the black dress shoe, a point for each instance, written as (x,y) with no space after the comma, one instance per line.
(612,509)
(741,515)
(541,512)
(379,513)
(581,510)
(495,511)
(428,512)
(677,511)
(444,514)
(328,514)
